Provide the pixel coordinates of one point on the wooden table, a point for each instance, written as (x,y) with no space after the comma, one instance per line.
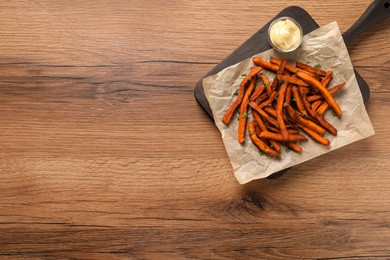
(104,153)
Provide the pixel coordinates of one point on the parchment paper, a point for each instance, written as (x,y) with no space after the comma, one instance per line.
(323,46)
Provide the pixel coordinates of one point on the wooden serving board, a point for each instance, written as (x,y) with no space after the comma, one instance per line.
(259,43)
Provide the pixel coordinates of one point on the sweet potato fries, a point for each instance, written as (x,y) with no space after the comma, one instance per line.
(293,103)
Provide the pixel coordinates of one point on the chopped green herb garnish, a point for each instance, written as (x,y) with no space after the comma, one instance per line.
(305,115)
(277,126)
(261,153)
(308,62)
(243,74)
(265,84)
(245,115)
(317,66)
(288,150)
(333,113)
(235,92)
(272,146)
(251,133)
(293,100)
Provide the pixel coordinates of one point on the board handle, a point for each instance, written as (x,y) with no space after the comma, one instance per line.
(376,12)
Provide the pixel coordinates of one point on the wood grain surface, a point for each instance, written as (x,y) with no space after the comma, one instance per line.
(105,154)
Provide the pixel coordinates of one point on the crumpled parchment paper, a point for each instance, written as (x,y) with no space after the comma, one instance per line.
(323,46)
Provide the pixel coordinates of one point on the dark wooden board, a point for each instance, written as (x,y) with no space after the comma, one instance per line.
(259,43)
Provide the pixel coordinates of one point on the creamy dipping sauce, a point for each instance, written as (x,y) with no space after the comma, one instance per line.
(285,34)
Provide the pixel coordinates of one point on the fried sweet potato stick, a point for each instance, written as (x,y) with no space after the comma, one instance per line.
(261,99)
(282,67)
(269,91)
(273,85)
(293,146)
(264,64)
(259,121)
(313,126)
(316,137)
(332,91)
(314,97)
(241,92)
(293,131)
(259,143)
(316,104)
(310,69)
(270,111)
(279,110)
(306,103)
(279,137)
(293,80)
(257,92)
(260,88)
(322,109)
(287,99)
(275,82)
(298,101)
(244,110)
(272,129)
(265,79)
(325,93)
(325,124)
(269,100)
(325,81)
